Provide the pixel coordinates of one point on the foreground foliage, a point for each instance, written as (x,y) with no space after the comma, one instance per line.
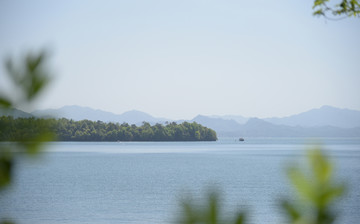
(28,78)
(26,129)
(345,8)
(314,186)
(316,190)
(209,213)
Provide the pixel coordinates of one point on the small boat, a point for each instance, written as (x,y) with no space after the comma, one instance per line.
(241,139)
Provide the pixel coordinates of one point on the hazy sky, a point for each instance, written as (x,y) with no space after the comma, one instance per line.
(177,59)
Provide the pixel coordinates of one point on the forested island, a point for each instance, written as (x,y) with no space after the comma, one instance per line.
(20,129)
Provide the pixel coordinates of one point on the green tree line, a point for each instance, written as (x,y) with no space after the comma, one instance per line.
(24,129)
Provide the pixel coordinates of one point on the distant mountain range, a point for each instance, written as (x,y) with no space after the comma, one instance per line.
(324,116)
(326,121)
(78,113)
(15,113)
(255,127)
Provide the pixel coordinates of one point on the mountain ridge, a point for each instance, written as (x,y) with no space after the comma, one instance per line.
(317,117)
(325,121)
(80,113)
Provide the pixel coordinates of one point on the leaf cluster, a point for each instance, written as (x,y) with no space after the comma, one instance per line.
(207,213)
(346,8)
(29,77)
(316,191)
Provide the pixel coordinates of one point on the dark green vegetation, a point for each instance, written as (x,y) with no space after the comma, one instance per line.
(25,129)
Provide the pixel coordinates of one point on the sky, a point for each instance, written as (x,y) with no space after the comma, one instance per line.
(178,59)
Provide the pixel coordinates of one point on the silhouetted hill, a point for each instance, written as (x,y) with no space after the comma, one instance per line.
(324,116)
(77,113)
(255,127)
(80,113)
(15,113)
(238,118)
(260,128)
(135,117)
(218,124)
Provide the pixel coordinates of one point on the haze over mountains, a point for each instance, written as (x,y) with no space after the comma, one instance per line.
(323,116)
(78,113)
(326,121)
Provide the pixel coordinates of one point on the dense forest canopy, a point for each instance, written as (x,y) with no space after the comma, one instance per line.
(22,129)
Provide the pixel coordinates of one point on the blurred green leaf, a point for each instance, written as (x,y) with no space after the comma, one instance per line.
(319,2)
(36,144)
(291,210)
(6,167)
(318,12)
(240,219)
(4,103)
(213,209)
(7,222)
(321,167)
(12,72)
(33,62)
(209,212)
(301,183)
(316,189)
(29,77)
(345,8)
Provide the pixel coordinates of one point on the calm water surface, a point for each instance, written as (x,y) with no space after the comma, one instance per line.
(144,182)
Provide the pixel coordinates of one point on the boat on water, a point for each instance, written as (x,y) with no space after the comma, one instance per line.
(241,139)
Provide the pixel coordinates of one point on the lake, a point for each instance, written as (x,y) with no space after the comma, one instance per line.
(143,182)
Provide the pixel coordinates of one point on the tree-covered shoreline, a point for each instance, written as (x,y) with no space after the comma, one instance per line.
(22,129)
